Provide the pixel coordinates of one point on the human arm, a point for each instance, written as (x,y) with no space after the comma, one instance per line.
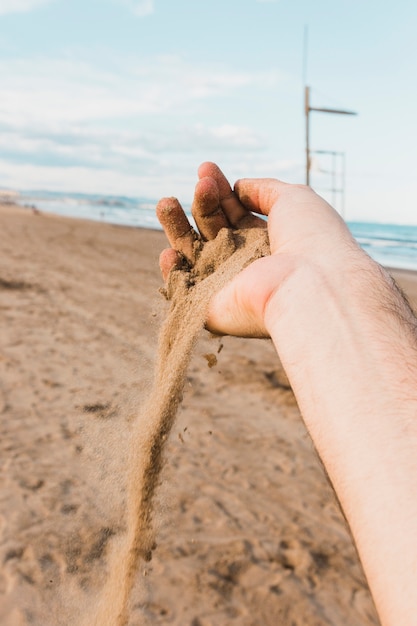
(347,340)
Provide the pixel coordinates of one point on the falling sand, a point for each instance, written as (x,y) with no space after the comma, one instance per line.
(189,290)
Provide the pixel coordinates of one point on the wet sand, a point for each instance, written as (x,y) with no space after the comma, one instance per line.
(249,531)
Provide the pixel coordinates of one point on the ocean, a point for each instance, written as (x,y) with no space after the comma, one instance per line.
(392,245)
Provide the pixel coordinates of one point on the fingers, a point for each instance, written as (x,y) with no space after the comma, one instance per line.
(215,206)
(206,208)
(227,198)
(259,194)
(169,259)
(236,214)
(177,228)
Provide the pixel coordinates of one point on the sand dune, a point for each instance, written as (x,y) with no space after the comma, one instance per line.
(249,532)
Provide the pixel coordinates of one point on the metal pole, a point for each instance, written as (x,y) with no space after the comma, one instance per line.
(305,54)
(307,114)
(306,102)
(343,183)
(309,108)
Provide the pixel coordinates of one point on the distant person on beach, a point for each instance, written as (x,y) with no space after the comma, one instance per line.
(347,339)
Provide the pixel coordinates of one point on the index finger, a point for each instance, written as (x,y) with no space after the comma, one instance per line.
(180,234)
(237,214)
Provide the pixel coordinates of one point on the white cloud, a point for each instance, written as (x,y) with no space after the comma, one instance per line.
(40,91)
(66,124)
(21,6)
(140,8)
(228,137)
(122,150)
(77,178)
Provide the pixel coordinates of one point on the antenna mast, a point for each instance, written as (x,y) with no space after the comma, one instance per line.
(308,108)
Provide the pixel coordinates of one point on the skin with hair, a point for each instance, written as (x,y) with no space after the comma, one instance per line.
(347,339)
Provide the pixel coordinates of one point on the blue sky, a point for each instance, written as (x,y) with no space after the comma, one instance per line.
(129,96)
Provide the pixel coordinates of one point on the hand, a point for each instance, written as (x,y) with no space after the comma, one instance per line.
(303,229)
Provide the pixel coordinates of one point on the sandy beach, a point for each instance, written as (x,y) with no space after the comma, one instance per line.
(249,531)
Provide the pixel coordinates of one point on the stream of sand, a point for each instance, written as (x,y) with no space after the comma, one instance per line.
(189,290)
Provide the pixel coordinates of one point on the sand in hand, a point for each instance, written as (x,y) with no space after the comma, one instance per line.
(189,290)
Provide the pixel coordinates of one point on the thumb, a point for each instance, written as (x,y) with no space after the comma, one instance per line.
(259,194)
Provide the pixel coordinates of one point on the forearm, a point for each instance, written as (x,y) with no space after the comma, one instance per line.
(347,343)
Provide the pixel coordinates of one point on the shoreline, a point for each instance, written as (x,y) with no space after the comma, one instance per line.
(408,272)
(37,211)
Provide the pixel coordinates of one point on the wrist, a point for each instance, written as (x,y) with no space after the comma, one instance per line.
(322,308)
(345,327)
(311,284)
